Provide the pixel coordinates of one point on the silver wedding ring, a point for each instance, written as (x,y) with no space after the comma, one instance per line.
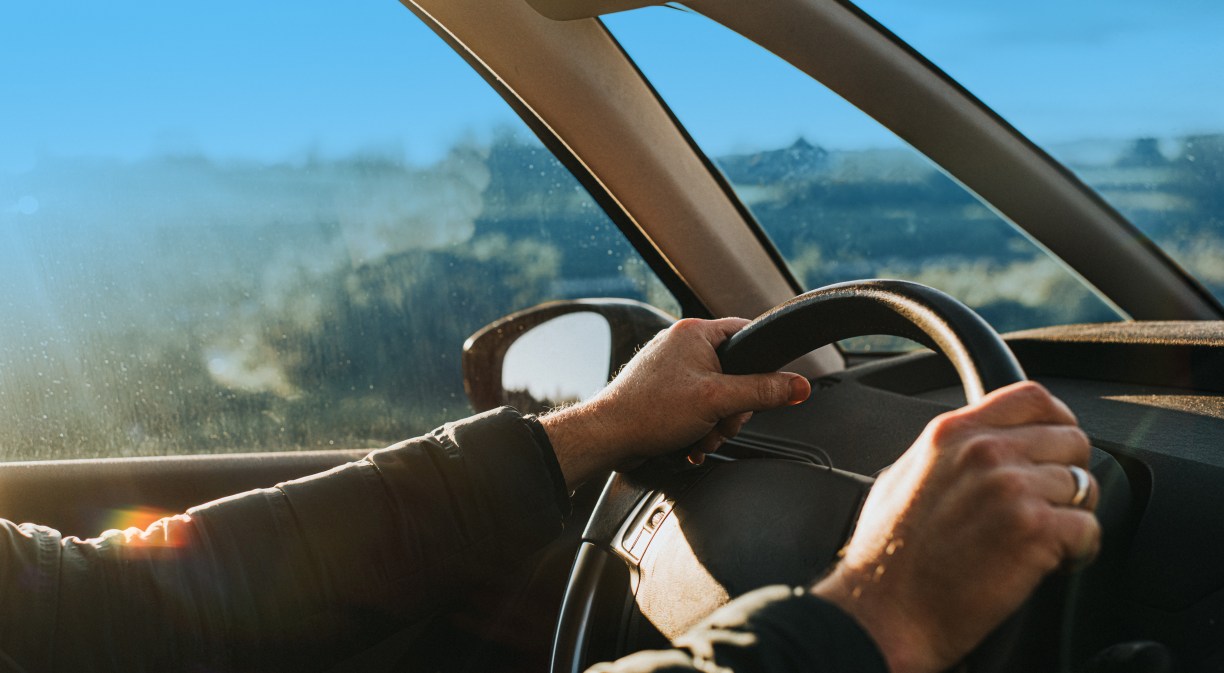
(1083,485)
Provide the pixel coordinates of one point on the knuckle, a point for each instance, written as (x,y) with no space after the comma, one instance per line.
(985,451)
(1038,398)
(1034,392)
(1081,445)
(1011,484)
(685,326)
(945,427)
(1027,395)
(1029,520)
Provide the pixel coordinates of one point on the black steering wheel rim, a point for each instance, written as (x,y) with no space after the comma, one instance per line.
(891,307)
(809,321)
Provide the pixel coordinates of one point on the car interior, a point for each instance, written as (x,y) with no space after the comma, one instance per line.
(650,552)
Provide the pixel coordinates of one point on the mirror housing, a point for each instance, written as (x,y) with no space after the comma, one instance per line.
(631,324)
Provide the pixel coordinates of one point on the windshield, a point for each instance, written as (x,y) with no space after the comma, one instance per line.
(1127,98)
(841,197)
(1127,95)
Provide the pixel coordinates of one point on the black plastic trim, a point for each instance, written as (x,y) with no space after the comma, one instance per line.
(590,607)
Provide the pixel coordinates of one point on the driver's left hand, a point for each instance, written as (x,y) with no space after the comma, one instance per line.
(671,395)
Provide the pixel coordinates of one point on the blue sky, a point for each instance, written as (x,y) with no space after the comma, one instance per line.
(235,79)
(137,77)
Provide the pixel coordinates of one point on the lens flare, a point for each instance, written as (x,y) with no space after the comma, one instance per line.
(146,526)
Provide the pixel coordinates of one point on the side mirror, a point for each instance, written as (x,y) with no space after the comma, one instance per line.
(555,353)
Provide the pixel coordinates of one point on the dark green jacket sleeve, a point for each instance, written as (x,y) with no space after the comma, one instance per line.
(285,578)
(292,577)
(772,630)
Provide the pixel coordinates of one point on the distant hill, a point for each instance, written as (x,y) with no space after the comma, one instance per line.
(798,161)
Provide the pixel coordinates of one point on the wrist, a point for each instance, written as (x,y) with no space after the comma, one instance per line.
(579,441)
(897,634)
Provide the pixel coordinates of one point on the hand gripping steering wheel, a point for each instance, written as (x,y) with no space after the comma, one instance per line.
(657,556)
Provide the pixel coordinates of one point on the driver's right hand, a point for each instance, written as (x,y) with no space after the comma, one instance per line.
(958,533)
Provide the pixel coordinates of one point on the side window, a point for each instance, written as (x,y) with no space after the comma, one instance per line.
(841,197)
(281,251)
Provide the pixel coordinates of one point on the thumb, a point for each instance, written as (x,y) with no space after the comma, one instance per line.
(759,392)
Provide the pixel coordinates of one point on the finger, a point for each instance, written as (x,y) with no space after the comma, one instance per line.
(1090,496)
(724,430)
(1056,485)
(1018,446)
(759,392)
(718,331)
(708,444)
(1078,534)
(730,426)
(713,332)
(1020,404)
(1064,444)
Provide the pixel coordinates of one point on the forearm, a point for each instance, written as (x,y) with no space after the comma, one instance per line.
(285,578)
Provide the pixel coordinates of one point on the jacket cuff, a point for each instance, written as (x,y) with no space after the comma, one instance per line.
(549,456)
(781,628)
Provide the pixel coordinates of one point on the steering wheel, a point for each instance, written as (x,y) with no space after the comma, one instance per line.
(665,547)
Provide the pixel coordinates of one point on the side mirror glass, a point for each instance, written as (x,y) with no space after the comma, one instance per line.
(561,361)
(555,353)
